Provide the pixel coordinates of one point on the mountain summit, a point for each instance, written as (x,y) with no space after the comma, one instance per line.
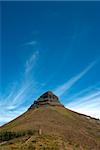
(47,99)
(48,125)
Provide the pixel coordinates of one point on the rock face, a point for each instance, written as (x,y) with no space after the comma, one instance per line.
(47,99)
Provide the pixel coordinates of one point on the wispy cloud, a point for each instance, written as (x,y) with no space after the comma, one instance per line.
(84,91)
(31,62)
(9,115)
(88,104)
(60,90)
(12,104)
(31,43)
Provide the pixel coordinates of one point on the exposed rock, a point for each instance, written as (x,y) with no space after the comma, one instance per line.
(47,99)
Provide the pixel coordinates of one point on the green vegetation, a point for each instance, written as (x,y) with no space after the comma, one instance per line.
(8,135)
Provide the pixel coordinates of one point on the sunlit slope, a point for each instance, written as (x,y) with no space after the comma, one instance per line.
(60,122)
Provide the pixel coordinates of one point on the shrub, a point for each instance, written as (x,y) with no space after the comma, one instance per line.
(8,135)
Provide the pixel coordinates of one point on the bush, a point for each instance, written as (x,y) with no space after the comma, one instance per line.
(8,135)
(5,136)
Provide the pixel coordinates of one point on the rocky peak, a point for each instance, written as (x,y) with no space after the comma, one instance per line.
(47,99)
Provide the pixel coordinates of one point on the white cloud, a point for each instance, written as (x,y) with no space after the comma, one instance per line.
(84,91)
(32,43)
(60,90)
(88,104)
(19,93)
(31,62)
(9,115)
(85,98)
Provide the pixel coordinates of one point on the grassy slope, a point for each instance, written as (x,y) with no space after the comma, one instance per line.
(69,129)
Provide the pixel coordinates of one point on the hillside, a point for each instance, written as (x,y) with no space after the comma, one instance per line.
(52,126)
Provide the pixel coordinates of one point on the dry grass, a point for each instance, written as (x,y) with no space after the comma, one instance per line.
(61,129)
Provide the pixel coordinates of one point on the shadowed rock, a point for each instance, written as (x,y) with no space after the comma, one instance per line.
(47,99)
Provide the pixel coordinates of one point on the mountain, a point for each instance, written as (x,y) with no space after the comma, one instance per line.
(48,125)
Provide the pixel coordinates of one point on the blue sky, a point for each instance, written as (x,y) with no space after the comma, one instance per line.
(50,46)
